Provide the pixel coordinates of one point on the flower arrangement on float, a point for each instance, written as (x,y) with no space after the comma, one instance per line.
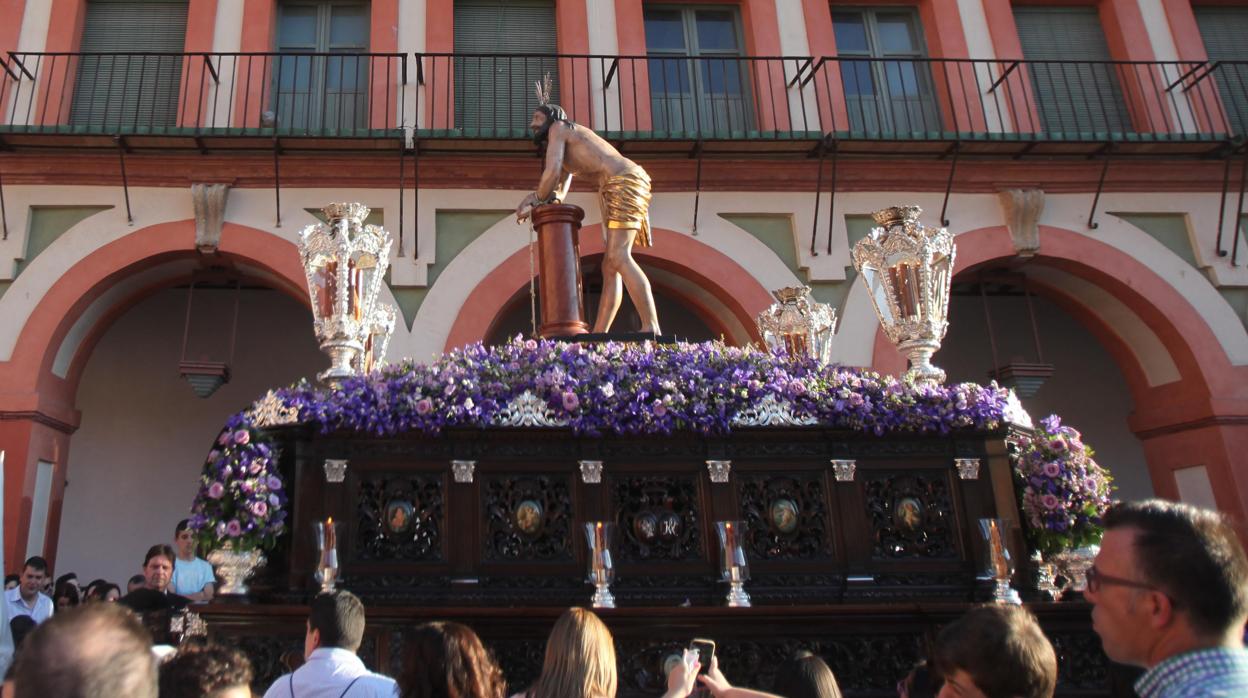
(629,389)
(241,498)
(1064,491)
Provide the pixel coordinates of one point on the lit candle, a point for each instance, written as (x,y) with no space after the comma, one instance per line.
(599,546)
(330,539)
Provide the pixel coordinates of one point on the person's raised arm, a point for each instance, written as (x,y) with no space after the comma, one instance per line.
(714,680)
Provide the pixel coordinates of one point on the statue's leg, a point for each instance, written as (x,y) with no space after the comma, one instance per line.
(620,246)
(609,302)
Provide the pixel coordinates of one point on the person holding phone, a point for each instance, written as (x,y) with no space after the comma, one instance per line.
(804,676)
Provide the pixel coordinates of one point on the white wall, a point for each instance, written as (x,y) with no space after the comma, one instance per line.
(135,462)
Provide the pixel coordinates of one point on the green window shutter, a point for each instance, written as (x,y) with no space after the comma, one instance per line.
(1223,30)
(127,93)
(494,95)
(1078,100)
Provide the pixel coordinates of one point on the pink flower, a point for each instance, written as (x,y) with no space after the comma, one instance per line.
(1058,444)
(659,409)
(571,401)
(242,437)
(224,438)
(255,467)
(233,529)
(213,455)
(1049,501)
(215,490)
(424,406)
(1052,469)
(530,344)
(259,508)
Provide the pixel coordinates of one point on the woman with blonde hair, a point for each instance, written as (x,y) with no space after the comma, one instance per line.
(580,662)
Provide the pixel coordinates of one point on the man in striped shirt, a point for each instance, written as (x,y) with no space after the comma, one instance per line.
(1169,592)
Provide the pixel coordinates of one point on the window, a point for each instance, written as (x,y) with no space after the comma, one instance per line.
(321,72)
(502,48)
(118,92)
(887,82)
(1223,30)
(1077,89)
(698,80)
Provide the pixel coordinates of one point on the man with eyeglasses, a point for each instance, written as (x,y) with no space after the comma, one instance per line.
(1169,592)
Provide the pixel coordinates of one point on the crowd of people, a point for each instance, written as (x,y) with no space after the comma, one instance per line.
(1169,594)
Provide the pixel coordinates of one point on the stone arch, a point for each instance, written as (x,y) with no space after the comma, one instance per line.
(53,342)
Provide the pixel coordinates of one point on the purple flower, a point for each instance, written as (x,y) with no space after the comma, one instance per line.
(571,401)
(1051,423)
(242,437)
(274,482)
(215,490)
(424,406)
(233,529)
(658,408)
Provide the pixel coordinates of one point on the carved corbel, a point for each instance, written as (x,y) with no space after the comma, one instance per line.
(209,202)
(1021,209)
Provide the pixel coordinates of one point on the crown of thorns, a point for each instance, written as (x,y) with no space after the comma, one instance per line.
(544,88)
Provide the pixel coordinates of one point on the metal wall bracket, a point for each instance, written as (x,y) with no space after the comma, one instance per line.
(953,167)
(1100,186)
(125,185)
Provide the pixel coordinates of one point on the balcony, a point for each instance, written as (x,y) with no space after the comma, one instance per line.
(653,105)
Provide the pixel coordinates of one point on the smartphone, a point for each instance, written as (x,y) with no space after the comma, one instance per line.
(706,652)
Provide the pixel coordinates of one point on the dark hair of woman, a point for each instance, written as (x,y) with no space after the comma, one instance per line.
(806,676)
(65,596)
(447,660)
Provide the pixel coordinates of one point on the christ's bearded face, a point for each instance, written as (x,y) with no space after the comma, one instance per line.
(540,126)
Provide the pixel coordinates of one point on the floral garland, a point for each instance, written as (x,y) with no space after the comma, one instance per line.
(241,496)
(597,389)
(1064,491)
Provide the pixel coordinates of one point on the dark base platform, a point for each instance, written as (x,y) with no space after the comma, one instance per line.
(868,646)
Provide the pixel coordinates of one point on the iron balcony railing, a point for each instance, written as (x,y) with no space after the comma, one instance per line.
(656,98)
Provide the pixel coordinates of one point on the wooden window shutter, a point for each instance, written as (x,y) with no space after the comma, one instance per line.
(493,94)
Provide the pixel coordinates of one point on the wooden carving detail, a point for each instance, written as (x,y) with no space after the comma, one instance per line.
(785,517)
(911,516)
(658,518)
(527,518)
(399,518)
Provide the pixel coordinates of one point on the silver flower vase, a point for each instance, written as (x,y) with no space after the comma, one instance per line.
(234,567)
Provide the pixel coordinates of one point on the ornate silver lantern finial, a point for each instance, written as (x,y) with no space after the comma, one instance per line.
(799,324)
(345,262)
(908,267)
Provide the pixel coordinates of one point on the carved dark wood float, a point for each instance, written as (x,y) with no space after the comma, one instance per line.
(863,571)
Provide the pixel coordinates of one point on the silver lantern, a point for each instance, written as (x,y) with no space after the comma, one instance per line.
(907,267)
(799,324)
(345,262)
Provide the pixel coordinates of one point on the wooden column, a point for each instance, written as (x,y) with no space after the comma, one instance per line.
(559,270)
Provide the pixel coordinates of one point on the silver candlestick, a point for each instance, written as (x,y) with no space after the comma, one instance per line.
(327,554)
(1000,566)
(601,570)
(733,566)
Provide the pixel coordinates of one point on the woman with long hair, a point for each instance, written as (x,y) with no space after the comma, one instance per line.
(447,660)
(580,662)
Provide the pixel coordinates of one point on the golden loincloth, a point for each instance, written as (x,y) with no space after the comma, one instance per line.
(625,202)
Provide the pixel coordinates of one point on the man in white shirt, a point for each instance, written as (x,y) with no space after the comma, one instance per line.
(332,670)
(26,599)
(192,576)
